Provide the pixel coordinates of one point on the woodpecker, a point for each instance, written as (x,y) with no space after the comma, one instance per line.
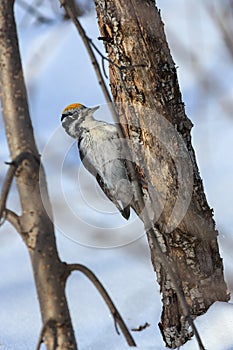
(101,153)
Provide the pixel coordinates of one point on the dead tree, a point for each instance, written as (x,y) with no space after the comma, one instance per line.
(145,89)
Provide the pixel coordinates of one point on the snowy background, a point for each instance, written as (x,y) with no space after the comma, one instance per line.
(58,72)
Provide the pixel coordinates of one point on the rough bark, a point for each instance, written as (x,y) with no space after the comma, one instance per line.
(34,224)
(146,92)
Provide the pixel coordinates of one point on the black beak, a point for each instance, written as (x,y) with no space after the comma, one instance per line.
(62,117)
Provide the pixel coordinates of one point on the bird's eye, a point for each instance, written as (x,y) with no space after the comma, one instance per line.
(67,114)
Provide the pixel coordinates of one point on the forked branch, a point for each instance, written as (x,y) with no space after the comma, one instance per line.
(7,214)
(50,324)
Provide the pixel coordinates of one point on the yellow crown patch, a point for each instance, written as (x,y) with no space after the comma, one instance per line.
(72,106)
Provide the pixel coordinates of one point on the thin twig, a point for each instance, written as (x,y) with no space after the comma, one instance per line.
(132,172)
(88,44)
(86,41)
(119,68)
(115,313)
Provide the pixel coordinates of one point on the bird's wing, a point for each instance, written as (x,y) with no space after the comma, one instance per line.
(104,162)
(125,210)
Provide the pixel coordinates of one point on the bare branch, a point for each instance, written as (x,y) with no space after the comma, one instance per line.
(35,221)
(67,4)
(70,9)
(115,313)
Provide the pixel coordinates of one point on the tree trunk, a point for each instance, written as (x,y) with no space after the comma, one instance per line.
(145,89)
(34,224)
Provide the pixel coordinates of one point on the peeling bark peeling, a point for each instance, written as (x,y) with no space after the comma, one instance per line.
(146,92)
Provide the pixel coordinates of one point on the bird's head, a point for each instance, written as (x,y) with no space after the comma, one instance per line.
(74,115)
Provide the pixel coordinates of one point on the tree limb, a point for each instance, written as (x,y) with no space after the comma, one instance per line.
(35,220)
(115,313)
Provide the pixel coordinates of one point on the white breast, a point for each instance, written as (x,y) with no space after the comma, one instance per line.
(101,147)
